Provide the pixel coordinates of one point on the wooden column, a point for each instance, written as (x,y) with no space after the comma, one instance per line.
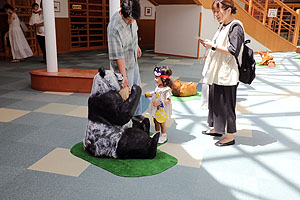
(250,7)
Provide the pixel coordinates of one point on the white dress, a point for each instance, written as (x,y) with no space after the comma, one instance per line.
(163,94)
(35,19)
(19,46)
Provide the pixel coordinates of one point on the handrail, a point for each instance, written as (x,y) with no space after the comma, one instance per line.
(277,24)
(286,7)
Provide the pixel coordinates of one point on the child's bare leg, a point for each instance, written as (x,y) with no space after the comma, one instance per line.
(163,135)
(163,127)
(157,125)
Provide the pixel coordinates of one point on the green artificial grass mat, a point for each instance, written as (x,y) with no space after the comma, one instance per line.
(266,66)
(297,58)
(128,167)
(190,98)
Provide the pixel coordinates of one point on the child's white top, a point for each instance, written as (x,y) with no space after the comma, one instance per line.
(35,19)
(163,94)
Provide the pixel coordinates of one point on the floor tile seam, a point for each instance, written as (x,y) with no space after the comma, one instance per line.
(13,167)
(11,109)
(30,112)
(8,98)
(44,145)
(23,93)
(60,174)
(16,124)
(33,144)
(55,102)
(57,114)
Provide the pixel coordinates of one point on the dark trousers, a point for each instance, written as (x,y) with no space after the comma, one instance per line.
(221,105)
(41,41)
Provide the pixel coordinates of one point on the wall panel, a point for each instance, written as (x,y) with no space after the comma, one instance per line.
(146,33)
(176,29)
(62,26)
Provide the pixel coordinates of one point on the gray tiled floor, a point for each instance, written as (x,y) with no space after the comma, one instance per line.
(262,166)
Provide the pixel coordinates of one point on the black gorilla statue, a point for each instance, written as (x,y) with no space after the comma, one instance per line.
(111,131)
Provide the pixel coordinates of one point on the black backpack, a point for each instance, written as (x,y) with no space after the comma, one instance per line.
(247,68)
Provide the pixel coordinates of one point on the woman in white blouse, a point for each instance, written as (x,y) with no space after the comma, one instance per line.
(221,72)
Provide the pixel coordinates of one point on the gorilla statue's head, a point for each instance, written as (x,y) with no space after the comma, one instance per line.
(105,81)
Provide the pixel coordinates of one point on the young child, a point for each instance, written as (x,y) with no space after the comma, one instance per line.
(36,16)
(160,106)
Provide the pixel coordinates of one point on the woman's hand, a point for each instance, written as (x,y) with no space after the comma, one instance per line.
(139,52)
(206,43)
(156,103)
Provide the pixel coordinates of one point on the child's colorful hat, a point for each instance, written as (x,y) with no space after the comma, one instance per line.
(157,73)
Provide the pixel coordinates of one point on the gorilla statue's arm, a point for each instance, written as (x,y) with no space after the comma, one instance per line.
(111,106)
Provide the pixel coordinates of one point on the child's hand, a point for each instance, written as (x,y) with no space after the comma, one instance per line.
(156,103)
(147,94)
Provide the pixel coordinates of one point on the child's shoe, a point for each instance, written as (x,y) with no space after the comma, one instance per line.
(163,138)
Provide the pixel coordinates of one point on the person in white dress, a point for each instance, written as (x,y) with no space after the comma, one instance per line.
(37,21)
(160,106)
(19,45)
(36,16)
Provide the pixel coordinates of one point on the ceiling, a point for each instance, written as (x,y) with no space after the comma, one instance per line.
(172,2)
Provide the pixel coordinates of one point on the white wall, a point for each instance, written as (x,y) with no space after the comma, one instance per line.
(64,12)
(209,27)
(176,29)
(146,3)
(178,25)
(64,8)
(242,4)
(256,46)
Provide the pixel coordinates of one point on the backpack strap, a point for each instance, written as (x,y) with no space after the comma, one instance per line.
(245,41)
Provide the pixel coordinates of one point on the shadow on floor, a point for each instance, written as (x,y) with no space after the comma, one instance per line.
(258,138)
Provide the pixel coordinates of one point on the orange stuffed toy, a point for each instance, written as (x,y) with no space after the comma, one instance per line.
(271,63)
(184,89)
(267,59)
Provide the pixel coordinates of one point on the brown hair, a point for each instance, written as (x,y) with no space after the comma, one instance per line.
(164,70)
(225,4)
